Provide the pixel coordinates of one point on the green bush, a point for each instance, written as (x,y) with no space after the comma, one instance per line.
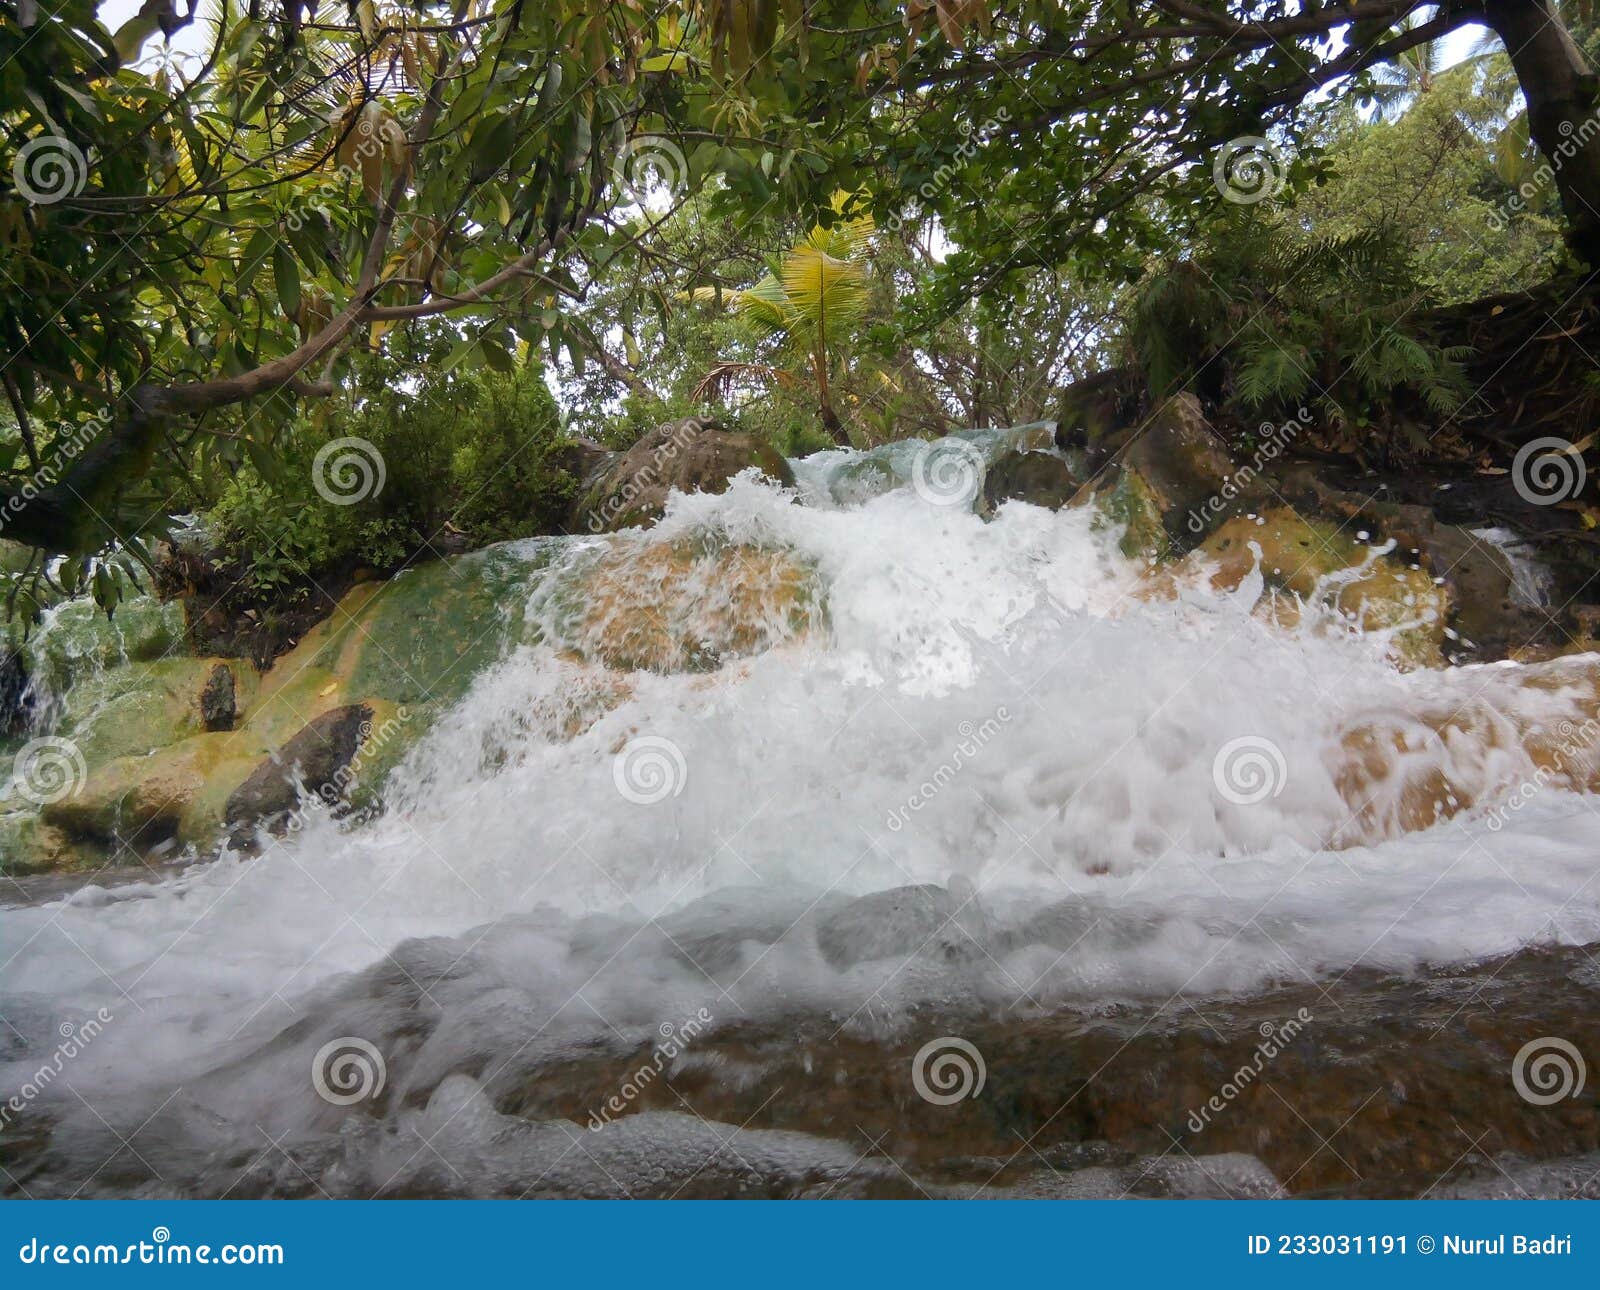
(508,475)
(480,454)
(1264,319)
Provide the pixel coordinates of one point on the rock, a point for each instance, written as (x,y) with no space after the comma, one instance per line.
(417,639)
(218,704)
(1170,482)
(690,456)
(1123,498)
(318,757)
(29,845)
(1481,578)
(1193,478)
(1039,478)
(584,459)
(1303,556)
(1094,413)
(135,803)
(1486,617)
(684,606)
(136,708)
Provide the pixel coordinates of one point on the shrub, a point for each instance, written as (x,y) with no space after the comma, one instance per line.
(1264,319)
(508,473)
(481,454)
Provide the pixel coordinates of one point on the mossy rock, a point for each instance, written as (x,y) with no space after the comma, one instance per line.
(1314,559)
(134,708)
(181,792)
(1038,478)
(29,845)
(137,802)
(418,639)
(683,606)
(1125,499)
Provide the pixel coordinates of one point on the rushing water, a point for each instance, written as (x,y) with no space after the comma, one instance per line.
(575,860)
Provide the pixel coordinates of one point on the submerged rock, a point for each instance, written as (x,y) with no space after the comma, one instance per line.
(926,920)
(690,456)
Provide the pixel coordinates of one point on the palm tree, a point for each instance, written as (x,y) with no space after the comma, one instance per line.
(809,302)
(1397,84)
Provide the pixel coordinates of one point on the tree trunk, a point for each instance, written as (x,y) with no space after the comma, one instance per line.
(1560,90)
(832,424)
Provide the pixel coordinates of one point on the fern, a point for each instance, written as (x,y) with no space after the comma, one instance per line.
(1294,318)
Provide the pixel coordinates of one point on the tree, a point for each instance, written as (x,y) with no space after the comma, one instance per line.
(1398,84)
(809,302)
(1132,114)
(184,240)
(1430,178)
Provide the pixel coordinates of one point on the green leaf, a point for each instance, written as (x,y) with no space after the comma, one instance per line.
(497,358)
(286,274)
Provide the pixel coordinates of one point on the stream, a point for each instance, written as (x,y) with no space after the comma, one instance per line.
(901,851)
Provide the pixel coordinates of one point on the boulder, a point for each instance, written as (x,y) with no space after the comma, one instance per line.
(1193,478)
(683,606)
(1316,560)
(1170,482)
(29,845)
(690,456)
(1039,478)
(1486,614)
(318,757)
(1094,413)
(1487,618)
(137,802)
(1124,499)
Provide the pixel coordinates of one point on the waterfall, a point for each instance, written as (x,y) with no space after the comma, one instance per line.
(846,750)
